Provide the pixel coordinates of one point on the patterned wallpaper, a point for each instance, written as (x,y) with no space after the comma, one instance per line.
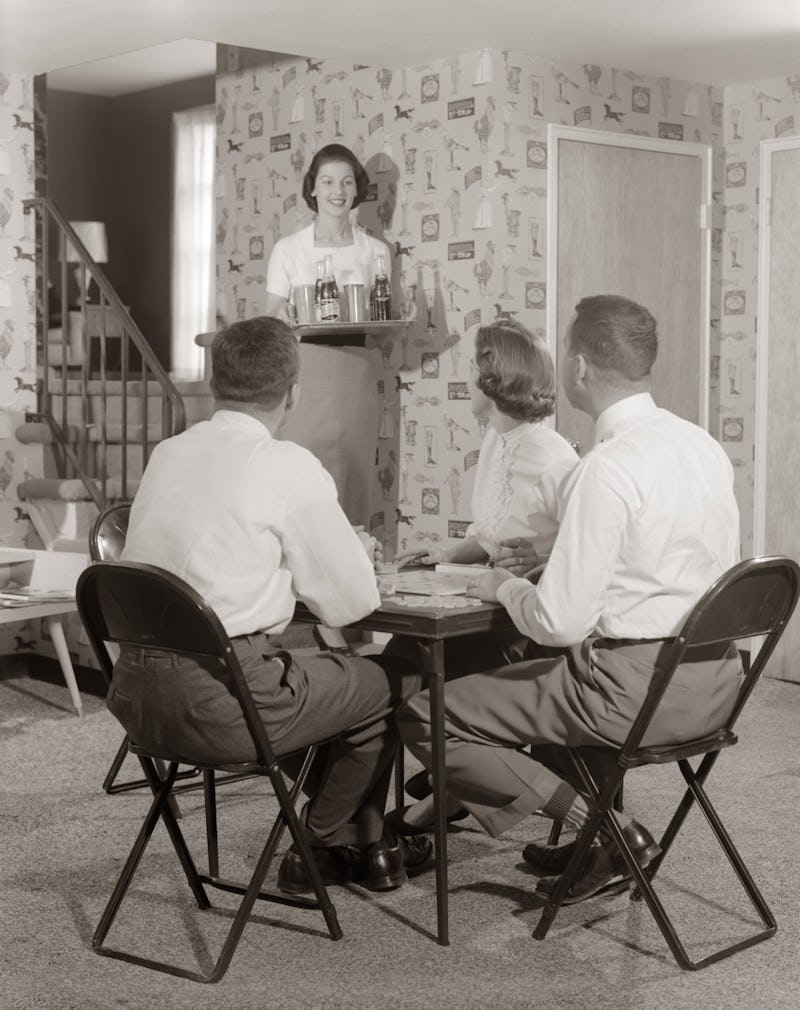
(753,112)
(457,154)
(18,171)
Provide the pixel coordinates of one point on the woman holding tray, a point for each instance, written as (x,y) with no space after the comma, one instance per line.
(338,413)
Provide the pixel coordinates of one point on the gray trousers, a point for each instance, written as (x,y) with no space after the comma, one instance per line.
(182,710)
(589,694)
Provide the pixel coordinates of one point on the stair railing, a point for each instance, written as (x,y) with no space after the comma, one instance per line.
(138,368)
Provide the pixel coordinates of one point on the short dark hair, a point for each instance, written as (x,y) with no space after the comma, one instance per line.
(335,152)
(616,335)
(516,370)
(254,361)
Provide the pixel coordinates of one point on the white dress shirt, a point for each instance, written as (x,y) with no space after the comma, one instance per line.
(251,522)
(648,521)
(516,484)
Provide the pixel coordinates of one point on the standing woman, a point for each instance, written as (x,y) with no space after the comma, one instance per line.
(334,185)
(337,417)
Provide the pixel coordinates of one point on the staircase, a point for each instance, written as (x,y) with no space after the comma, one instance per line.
(104,400)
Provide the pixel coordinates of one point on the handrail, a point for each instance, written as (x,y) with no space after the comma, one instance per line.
(173,411)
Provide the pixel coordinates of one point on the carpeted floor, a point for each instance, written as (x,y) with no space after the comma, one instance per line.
(63,842)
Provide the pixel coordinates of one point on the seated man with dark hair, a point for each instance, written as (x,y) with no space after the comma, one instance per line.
(252,523)
(647,522)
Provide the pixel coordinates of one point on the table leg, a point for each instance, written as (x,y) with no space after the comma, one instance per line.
(433,665)
(60,643)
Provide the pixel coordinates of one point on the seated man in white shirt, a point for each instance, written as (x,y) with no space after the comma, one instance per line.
(252,523)
(647,522)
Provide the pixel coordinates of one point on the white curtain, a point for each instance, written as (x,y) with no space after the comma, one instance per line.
(194,139)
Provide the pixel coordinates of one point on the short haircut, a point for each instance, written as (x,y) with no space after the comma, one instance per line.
(254,361)
(335,152)
(615,335)
(516,370)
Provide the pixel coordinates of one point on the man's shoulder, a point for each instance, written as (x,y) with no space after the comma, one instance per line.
(300,462)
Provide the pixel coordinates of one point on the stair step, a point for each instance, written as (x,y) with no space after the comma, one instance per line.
(96,387)
(72,489)
(39,432)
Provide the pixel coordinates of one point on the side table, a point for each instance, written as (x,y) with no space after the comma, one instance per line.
(50,613)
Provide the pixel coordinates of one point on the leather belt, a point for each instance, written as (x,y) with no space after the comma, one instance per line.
(623,643)
(694,654)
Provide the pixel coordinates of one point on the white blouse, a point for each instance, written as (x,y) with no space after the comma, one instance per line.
(516,485)
(294,258)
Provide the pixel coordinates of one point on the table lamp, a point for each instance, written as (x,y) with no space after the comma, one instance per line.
(93,236)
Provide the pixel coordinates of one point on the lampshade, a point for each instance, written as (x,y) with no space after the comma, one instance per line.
(93,236)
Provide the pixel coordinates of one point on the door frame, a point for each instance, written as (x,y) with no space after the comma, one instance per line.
(555,133)
(767,149)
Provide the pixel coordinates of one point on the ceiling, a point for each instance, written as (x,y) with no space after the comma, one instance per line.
(706,41)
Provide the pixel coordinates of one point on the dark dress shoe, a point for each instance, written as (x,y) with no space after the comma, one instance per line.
(548,859)
(389,861)
(604,864)
(339,864)
(418,786)
(396,820)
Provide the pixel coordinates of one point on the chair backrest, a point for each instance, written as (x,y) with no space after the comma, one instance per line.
(144,606)
(752,600)
(108,532)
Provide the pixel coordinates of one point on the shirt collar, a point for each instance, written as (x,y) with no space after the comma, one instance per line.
(514,434)
(238,419)
(622,413)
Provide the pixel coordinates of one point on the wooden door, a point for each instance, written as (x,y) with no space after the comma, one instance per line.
(629,216)
(777,471)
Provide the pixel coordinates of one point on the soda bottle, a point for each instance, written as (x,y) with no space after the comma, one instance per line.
(381,293)
(329,295)
(318,290)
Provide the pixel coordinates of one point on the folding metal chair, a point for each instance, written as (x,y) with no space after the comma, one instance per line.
(106,540)
(143,606)
(753,600)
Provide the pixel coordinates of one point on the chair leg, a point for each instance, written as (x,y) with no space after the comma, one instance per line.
(158,808)
(111,786)
(113,771)
(399,777)
(290,819)
(210,783)
(602,816)
(287,817)
(250,893)
(584,840)
(556,826)
(212,836)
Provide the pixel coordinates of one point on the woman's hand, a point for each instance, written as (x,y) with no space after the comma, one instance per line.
(517,556)
(431,556)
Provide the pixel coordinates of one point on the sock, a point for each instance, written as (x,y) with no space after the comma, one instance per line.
(566,805)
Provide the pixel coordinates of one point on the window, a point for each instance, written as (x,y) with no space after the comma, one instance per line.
(194,140)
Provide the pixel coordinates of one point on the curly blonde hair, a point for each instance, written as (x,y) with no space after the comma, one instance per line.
(516,370)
